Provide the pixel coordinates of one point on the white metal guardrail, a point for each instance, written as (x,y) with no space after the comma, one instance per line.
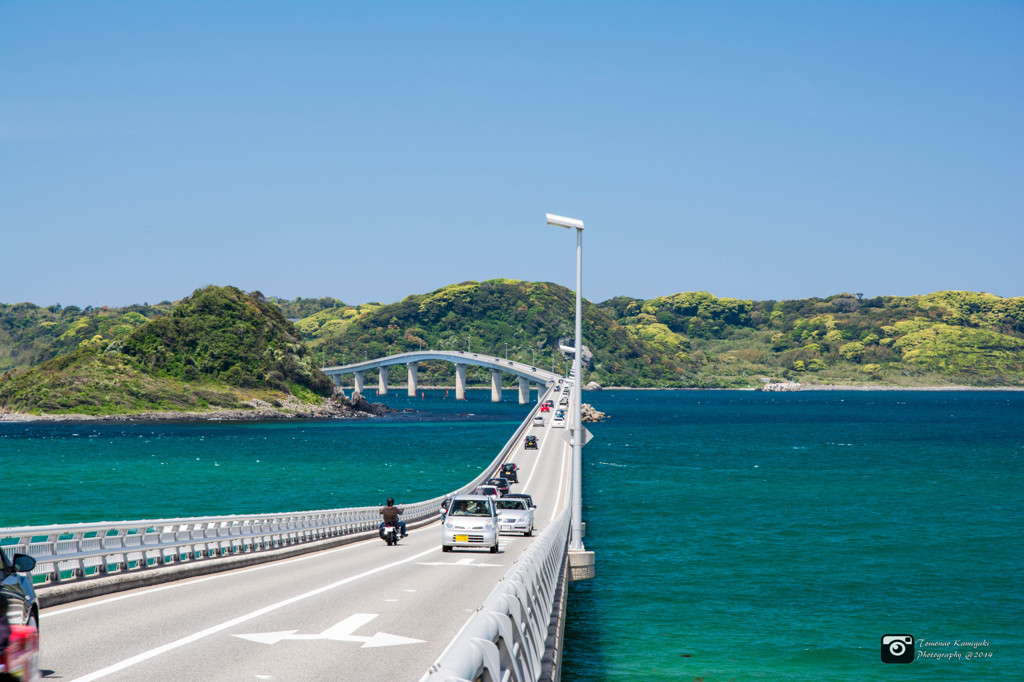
(505,639)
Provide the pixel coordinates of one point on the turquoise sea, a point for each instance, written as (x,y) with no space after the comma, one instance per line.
(738,535)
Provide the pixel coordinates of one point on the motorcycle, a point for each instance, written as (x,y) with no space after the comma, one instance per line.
(389,533)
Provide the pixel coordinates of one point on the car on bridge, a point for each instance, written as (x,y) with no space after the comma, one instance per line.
(488,490)
(500,483)
(472,521)
(510,472)
(525,497)
(558,423)
(538,420)
(530,443)
(545,408)
(514,516)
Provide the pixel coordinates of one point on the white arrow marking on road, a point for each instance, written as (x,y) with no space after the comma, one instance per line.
(460,562)
(342,632)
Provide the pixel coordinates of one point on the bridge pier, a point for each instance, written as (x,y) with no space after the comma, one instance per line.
(359,377)
(495,385)
(524,391)
(581,565)
(460,381)
(413,376)
(382,382)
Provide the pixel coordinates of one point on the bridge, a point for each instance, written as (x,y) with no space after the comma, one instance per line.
(529,375)
(317,595)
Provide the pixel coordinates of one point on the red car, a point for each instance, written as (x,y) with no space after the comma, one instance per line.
(545,408)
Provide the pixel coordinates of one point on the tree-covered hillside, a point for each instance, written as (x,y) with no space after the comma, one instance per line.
(525,321)
(945,337)
(696,339)
(220,338)
(218,346)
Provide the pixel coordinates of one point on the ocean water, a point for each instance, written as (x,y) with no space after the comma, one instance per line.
(745,535)
(738,535)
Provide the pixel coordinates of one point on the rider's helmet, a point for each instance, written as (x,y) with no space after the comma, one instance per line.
(391,502)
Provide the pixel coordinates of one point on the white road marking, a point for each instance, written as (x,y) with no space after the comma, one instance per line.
(460,562)
(342,632)
(195,637)
(219,576)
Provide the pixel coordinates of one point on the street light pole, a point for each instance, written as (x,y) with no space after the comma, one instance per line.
(576,538)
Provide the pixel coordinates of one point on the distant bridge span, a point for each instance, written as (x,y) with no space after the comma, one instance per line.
(528,374)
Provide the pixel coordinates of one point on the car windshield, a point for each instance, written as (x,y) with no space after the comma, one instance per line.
(469,508)
(511,504)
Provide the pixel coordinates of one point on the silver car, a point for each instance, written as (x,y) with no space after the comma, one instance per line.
(514,516)
(472,521)
(22,606)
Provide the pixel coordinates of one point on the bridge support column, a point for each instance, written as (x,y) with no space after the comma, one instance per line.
(460,381)
(383,381)
(495,385)
(359,377)
(581,565)
(524,391)
(413,376)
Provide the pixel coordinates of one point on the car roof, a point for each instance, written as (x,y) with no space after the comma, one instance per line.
(477,498)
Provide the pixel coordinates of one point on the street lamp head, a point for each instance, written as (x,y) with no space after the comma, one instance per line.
(562,221)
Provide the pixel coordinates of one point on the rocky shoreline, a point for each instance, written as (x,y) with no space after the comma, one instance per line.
(336,407)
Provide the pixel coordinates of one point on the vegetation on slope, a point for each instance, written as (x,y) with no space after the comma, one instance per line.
(695,339)
(217,347)
(525,321)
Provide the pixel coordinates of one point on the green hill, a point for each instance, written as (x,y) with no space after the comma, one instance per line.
(948,337)
(695,339)
(218,347)
(221,347)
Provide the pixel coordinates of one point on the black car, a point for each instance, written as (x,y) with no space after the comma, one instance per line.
(511,472)
(530,443)
(500,483)
(522,496)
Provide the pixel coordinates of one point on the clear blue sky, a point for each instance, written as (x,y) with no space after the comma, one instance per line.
(371,150)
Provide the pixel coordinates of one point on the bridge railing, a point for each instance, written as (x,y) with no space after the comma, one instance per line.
(66,553)
(506,638)
(73,552)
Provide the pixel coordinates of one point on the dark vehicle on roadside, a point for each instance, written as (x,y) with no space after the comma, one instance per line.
(530,443)
(16,586)
(510,471)
(500,483)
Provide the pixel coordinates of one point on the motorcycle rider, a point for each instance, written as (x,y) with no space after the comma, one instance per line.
(390,514)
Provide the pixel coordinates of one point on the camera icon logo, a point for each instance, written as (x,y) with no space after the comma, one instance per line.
(897,648)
